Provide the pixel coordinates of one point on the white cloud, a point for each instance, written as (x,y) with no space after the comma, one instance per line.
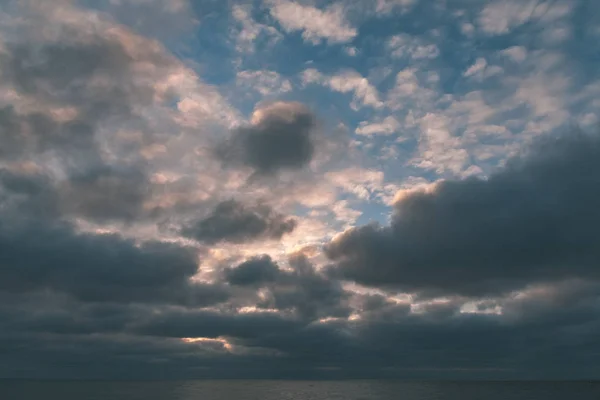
(438,148)
(263,81)
(409,93)
(403,45)
(516,53)
(248,30)
(351,51)
(546,100)
(479,66)
(387,6)
(361,182)
(480,70)
(387,126)
(316,24)
(467,29)
(343,212)
(346,81)
(500,17)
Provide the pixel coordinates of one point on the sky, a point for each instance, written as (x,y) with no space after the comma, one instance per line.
(299,189)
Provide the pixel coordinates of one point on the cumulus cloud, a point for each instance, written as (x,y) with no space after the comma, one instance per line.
(500,17)
(42,253)
(387,126)
(255,271)
(234,222)
(279,137)
(249,32)
(531,222)
(414,48)
(314,23)
(105,193)
(346,81)
(263,81)
(384,7)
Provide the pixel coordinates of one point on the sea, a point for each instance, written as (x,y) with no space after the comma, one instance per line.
(296,390)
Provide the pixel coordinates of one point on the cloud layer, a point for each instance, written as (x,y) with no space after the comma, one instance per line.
(299,189)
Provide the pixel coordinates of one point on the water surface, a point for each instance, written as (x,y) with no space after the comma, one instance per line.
(298,390)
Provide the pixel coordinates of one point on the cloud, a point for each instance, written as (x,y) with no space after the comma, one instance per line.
(438,148)
(263,81)
(516,53)
(363,183)
(105,193)
(249,32)
(154,18)
(415,48)
(306,292)
(255,271)
(233,222)
(531,222)
(315,24)
(146,231)
(387,126)
(100,268)
(346,81)
(210,324)
(385,7)
(500,17)
(279,137)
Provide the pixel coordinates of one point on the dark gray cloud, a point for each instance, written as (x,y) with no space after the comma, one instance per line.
(255,271)
(300,290)
(279,138)
(308,292)
(34,133)
(530,343)
(104,268)
(27,196)
(535,220)
(210,324)
(42,252)
(105,193)
(100,195)
(234,222)
(94,73)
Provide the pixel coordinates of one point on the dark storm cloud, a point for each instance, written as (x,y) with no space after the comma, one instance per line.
(281,138)
(105,268)
(536,220)
(27,196)
(234,222)
(307,292)
(302,290)
(209,324)
(394,344)
(255,271)
(41,252)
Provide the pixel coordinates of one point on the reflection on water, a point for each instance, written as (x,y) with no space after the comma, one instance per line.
(298,390)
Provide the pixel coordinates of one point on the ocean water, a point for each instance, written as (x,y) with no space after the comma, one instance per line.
(298,390)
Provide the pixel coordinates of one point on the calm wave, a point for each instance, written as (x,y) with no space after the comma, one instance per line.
(298,390)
